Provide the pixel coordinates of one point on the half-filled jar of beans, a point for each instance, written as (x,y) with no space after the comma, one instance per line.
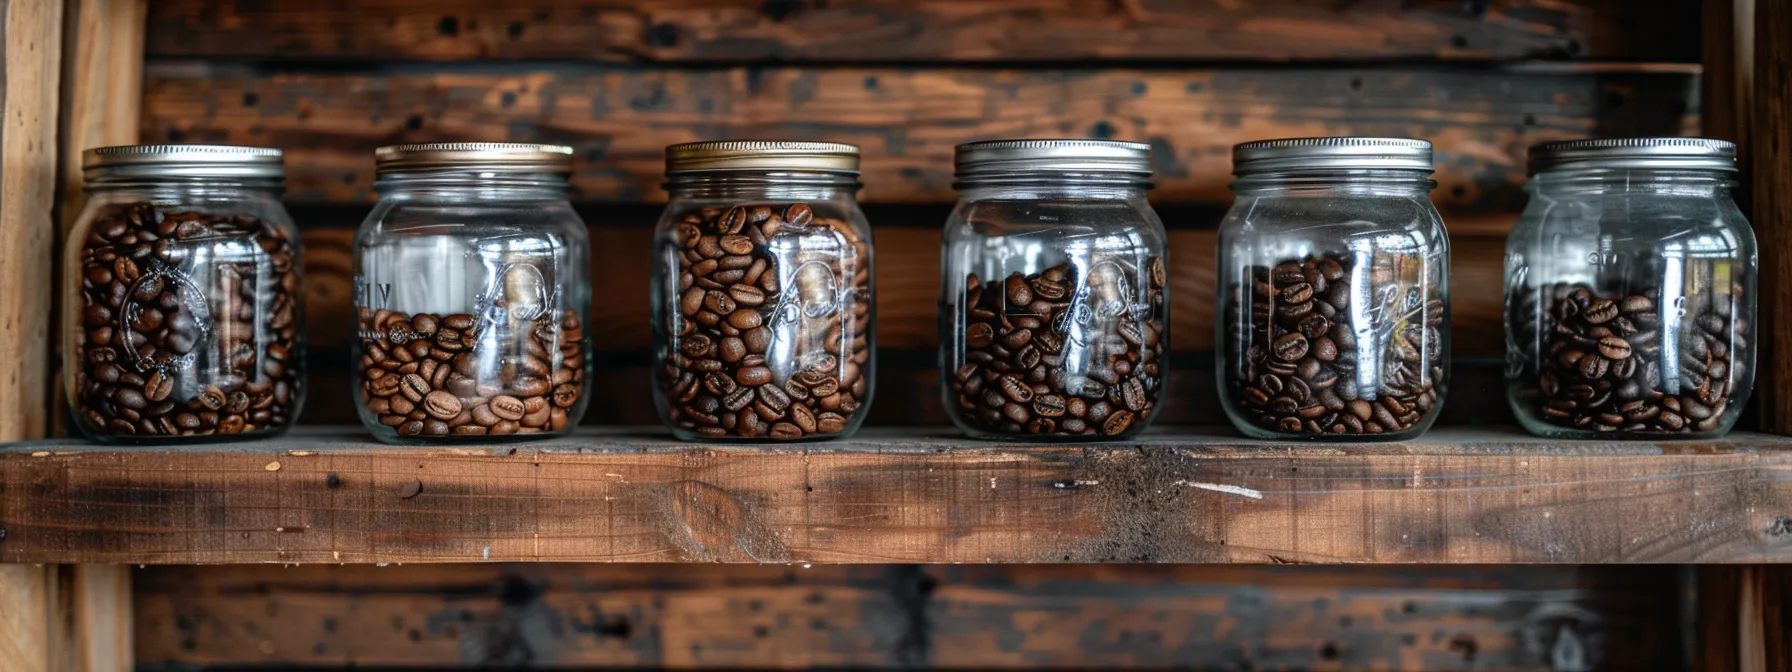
(1333,291)
(183,294)
(762,293)
(1630,291)
(1053,312)
(471,295)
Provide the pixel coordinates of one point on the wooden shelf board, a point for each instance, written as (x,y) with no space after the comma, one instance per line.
(1458,495)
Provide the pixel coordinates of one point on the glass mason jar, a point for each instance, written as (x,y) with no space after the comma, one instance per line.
(1053,306)
(1334,291)
(762,293)
(1630,291)
(471,295)
(183,296)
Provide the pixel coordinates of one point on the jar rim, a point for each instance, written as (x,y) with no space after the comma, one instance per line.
(1666,153)
(152,163)
(761,155)
(1332,153)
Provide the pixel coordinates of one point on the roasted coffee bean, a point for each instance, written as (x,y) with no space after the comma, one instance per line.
(1015,334)
(151,357)
(1602,361)
(449,386)
(733,305)
(1295,335)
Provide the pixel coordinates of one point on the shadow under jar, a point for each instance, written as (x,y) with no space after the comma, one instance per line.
(471,295)
(1334,297)
(762,293)
(181,280)
(1054,292)
(1630,291)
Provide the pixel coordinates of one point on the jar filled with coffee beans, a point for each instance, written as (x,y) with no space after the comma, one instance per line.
(1333,291)
(1053,311)
(182,297)
(471,295)
(1630,291)
(762,301)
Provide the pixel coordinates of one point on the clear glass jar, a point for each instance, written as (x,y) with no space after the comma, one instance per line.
(184,304)
(762,293)
(1334,291)
(1053,311)
(471,295)
(1630,291)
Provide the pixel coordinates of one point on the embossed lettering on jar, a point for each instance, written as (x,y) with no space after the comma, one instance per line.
(1630,291)
(1333,291)
(185,303)
(762,293)
(471,295)
(1054,291)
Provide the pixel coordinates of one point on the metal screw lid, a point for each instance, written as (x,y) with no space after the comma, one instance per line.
(182,161)
(1070,156)
(500,157)
(1343,153)
(828,157)
(1662,153)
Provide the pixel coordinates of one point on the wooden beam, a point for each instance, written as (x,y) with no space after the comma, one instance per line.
(28,149)
(25,599)
(1770,140)
(709,31)
(102,86)
(1452,496)
(929,616)
(907,120)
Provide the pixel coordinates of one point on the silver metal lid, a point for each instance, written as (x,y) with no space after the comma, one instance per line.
(1070,156)
(1663,153)
(499,157)
(829,157)
(183,161)
(1345,153)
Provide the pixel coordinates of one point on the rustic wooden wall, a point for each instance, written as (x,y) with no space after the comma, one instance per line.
(907,80)
(1261,618)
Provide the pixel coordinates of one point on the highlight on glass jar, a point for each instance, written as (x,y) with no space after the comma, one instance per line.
(182,282)
(1333,291)
(471,295)
(762,293)
(1054,295)
(1630,291)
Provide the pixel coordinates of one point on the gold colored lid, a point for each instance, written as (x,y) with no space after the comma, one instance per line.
(833,157)
(508,157)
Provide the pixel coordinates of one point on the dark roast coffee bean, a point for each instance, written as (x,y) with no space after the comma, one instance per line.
(1296,334)
(150,359)
(1601,365)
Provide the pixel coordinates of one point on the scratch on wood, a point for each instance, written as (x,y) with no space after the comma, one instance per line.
(1217,487)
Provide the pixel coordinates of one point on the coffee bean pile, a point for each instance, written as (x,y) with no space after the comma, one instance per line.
(1601,368)
(1015,377)
(765,341)
(187,325)
(431,375)
(1302,371)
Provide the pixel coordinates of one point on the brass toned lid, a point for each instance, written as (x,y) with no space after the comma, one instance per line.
(506,157)
(831,157)
(177,161)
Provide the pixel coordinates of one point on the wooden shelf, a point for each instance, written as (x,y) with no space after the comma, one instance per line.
(1459,495)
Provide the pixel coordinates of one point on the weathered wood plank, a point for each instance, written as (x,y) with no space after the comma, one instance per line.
(1212,617)
(908,276)
(32,72)
(25,595)
(908,120)
(704,31)
(1453,496)
(1770,139)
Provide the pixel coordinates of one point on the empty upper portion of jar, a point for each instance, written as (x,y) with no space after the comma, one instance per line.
(1019,161)
(182,163)
(1677,154)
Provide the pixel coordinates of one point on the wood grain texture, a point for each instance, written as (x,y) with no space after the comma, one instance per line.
(25,594)
(908,120)
(1770,141)
(705,31)
(102,86)
(1088,617)
(28,153)
(907,285)
(1454,496)
(101,629)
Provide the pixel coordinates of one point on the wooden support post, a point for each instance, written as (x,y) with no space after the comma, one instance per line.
(1770,143)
